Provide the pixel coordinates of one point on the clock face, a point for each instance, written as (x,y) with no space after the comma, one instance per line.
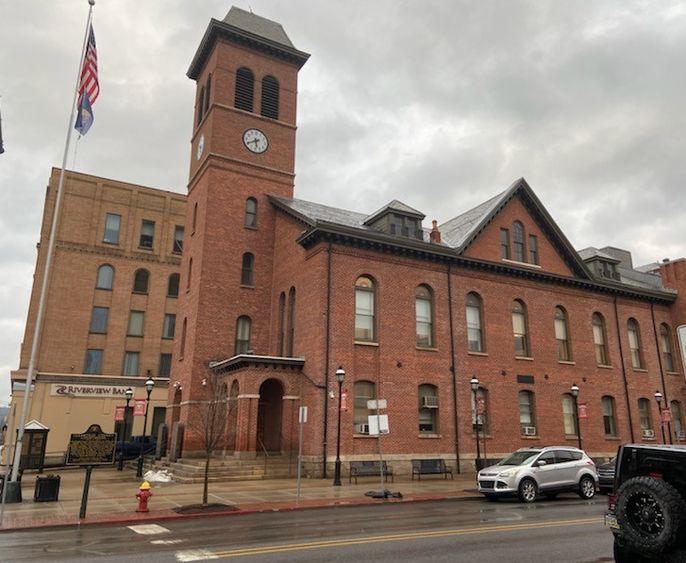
(255,141)
(200,147)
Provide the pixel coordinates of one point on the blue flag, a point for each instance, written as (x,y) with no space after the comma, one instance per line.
(84,117)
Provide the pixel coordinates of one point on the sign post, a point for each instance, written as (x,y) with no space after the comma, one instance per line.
(378,424)
(91,448)
(302,419)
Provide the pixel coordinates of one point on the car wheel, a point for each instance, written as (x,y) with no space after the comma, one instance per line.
(650,513)
(527,490)
(586,487)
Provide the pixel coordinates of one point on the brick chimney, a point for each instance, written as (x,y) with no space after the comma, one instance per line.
(435,235)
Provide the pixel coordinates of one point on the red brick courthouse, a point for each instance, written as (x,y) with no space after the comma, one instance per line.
(277,293)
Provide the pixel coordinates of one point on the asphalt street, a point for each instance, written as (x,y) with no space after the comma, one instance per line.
(564,529)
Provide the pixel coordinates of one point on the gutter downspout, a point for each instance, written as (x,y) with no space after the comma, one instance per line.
(326,361)
(626,385)
(662,372)
(453,370)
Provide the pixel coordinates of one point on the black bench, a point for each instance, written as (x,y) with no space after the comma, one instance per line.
(368,469)
(430,467)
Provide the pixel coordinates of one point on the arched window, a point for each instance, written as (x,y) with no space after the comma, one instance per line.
(245,81)
(677,420)
(599,340)
(365,321)
(609,419)
(243,326)
(527,418)
(519,329)
(105,278)
(200,105)
(364,391)
(568,415)
(646,419)
(480,410)
(519,252)
(282,323)
(270,97)
(173,285)
(195,215)
(206,103)
(475,338)
(423,316)
(634,344)
(184,326)
(250,212)
(428,409)
(564,353)
(290,336)
(140,281)
(190,274)
(247,269)
(666,347)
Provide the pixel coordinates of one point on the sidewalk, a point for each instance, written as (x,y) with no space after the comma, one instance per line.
(112,499)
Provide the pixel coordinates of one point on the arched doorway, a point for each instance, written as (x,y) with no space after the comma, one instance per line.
(232,418)
(269,417)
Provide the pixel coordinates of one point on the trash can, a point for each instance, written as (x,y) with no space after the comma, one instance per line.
(47,488)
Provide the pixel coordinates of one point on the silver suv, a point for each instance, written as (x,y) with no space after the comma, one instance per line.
(548,471)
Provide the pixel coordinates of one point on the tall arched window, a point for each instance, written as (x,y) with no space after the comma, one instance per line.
(270,97)
(599,340)
(518,250)
(428,409)
(206,102)
(140,281)
(282,324)
(677,419)
(568,415)
(519,329)
(200,105)
(527,418)
(190,274)
(247,269)
(195,216)
(609,419)
(423,303)
(365,321)
(564,352)
(250,212)
(184,326)
(634,344)
(473,309)
(105,278)
(173,286)
(245,82)
(480,410)
(243,326)
(646,419)
(364,391)
(290,335)
(666,347)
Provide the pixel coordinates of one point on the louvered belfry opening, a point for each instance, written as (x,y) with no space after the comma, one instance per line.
(244,89)
(270,97)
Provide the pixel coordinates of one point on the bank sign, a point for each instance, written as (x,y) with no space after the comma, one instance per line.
(60,390)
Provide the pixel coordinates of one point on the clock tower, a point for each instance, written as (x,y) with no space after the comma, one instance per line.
(242,151)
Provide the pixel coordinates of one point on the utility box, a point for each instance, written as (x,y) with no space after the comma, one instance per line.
(47,488)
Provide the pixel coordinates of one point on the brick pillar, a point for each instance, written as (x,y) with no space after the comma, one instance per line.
(246,426)
(289,423)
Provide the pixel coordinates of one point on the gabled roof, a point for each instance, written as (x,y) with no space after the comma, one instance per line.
(397,206)
(257,25)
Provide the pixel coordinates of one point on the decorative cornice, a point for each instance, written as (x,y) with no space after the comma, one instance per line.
(118,253)
(243,361)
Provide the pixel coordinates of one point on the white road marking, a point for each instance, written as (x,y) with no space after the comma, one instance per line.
(166,542)
(148,529)
(195,555)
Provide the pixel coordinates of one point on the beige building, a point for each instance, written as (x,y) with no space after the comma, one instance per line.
(110,313)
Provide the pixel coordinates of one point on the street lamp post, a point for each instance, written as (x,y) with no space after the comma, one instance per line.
(129,394)
(474,382)
(658,400)
(575,393)
(340,376)
(149,384)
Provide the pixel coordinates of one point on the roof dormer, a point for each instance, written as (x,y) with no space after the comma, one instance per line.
(397,219)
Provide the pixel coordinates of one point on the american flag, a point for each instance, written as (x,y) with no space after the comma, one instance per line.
(89,87)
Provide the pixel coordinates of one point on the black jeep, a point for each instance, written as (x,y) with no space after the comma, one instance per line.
(647,510)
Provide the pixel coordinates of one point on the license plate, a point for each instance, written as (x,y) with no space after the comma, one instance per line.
(611,521)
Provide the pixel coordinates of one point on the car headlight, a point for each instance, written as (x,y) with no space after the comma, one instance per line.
(509,473)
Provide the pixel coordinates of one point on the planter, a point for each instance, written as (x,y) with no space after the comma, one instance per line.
(47,489)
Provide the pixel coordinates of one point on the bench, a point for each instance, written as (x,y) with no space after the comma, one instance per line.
(430,467)
(368,469)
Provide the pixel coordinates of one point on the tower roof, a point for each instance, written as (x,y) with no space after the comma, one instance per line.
(246,28)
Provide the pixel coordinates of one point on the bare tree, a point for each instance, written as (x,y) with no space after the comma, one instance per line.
(208,418)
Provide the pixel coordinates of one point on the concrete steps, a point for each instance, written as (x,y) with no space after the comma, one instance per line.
(192,470)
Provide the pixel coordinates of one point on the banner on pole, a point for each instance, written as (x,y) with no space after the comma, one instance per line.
(666,415)
(139,407)
(583,412)
(119,414)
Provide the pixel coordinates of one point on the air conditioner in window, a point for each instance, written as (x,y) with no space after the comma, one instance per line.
(362,428)
(528,430)
(681,436)
(648,433)
(430,402)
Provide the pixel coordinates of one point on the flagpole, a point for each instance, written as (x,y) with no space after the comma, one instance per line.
(48,262)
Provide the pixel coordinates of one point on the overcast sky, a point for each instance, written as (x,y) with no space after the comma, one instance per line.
(440,104)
